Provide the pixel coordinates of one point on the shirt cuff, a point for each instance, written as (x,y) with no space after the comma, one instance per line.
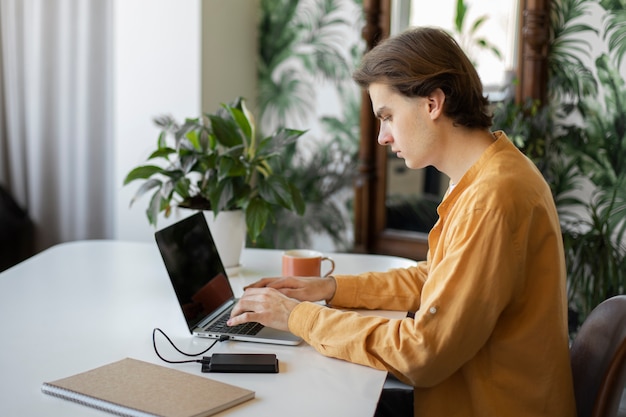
(302,319)
(346,291)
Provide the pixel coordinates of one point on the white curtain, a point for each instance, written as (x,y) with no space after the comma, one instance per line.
(55,115)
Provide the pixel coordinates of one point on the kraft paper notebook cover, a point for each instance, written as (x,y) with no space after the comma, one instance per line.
(135,388)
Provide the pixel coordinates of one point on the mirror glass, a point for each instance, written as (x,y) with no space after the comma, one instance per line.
(412,196)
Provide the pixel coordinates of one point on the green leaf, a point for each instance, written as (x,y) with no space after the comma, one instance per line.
(154,208)
(615,29)
(298,201)
(188,162)
(205,140)
(478,23)
(188,126)
(194,139)
(215,194)
(286,98)
(182,186)
(161,141)
(162,152)
(257,214)
(461,9)
(173,174)
(142,172)
(282,138)
(145,187)
(226,131)
(276,190)
(229,167)
(242,121)
(222,195)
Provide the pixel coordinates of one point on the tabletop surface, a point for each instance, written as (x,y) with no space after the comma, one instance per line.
(83,304)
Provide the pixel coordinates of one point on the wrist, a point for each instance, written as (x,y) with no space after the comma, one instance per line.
(332,288)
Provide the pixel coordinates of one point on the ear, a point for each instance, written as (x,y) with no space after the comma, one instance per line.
(436,100)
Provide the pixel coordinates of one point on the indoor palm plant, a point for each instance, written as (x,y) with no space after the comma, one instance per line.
(217,162)
(306,47)
(578,140)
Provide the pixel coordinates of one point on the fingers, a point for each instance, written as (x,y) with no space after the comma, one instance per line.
(242,318)
(300,288)
(252,299)
(261,283)
(278,283)
(306,288)
(263,305)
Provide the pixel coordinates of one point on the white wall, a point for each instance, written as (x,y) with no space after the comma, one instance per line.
(229,52)
(159,68)
(156,70)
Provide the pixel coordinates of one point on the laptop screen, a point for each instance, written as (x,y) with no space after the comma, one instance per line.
(195,268)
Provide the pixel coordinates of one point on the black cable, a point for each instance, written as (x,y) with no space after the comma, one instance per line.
(221,339)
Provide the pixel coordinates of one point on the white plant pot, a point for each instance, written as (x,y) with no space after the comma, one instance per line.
(229,233)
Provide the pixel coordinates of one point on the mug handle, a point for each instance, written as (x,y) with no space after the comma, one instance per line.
(332,265)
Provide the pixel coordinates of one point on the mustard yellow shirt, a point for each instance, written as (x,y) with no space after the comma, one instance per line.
(489,336)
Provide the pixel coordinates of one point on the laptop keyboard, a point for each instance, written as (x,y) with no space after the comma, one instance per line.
(220,326)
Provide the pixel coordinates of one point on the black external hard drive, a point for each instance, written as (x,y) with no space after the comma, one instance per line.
(241,363)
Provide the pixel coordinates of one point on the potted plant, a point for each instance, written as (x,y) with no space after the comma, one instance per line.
(578,140)
(217,162)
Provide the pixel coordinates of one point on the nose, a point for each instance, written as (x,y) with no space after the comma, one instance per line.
(384,135)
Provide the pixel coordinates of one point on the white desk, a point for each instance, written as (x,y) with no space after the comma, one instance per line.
(52,304)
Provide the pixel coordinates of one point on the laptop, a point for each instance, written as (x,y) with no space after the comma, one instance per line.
(202,286)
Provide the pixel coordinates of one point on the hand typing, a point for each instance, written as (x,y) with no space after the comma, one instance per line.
(301,288)
(270,301)
(263,305)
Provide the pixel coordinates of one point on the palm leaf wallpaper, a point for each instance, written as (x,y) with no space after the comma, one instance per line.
(307,52)
(578,140)
(593,126)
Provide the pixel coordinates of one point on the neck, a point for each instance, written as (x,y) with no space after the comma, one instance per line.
(465,146)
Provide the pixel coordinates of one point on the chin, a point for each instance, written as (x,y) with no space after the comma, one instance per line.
(412,165)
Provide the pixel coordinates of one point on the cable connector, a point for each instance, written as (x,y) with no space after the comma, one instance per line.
(156,329)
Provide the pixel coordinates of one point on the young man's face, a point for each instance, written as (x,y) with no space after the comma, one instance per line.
(406,125)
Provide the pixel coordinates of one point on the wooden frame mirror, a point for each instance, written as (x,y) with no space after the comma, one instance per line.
(370,214)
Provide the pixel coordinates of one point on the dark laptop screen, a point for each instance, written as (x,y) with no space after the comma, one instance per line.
(194,267)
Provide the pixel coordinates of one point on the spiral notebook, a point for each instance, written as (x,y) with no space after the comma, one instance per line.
(133,388)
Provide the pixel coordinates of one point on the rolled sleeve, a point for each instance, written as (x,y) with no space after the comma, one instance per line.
(302,318)
(397,289)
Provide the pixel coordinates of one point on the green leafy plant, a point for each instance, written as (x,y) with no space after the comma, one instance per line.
(468,36)
(570,79)
(302,44)
(528,125)
(596,252)
(595,148)
(330,170)
(578,140)
(218,162)
(323,176)
(615,27)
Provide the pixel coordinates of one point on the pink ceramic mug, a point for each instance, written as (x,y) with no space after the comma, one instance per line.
(305,263)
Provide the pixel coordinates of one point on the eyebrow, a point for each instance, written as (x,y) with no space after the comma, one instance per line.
(380,111)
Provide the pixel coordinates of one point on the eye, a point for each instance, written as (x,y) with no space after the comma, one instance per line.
(385,118)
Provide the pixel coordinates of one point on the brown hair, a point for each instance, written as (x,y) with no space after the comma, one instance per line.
(420,60)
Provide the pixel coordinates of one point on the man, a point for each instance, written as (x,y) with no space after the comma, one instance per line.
(489,335)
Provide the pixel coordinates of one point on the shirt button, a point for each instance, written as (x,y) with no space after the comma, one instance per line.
(432,310)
